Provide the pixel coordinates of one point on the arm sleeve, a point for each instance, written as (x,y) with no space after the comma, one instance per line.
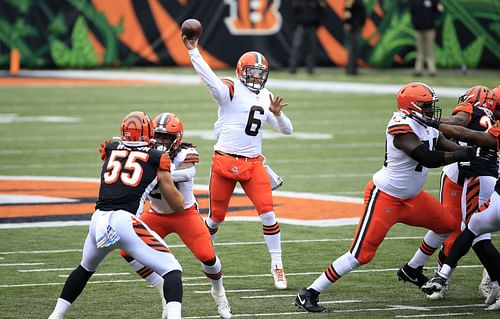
(426,157)
(219,90)
(281,123)
(183,175)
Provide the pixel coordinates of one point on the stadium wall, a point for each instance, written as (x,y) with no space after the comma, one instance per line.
(123,33)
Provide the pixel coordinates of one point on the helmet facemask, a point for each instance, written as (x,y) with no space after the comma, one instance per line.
(429,109)
(254,77)
(165,142)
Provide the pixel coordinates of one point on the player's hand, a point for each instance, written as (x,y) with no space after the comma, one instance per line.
(102,149)
(424,120)
(466,154)
(189,44)
(276,104)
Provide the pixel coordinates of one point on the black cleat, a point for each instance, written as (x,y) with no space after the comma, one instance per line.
(307,299)
(436,284)
(415,276)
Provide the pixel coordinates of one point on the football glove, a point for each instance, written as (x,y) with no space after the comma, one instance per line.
(102,149)
(466,154)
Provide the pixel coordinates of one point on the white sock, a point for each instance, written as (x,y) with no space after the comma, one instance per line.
(273,241)
(429,244)
(174,310)
(62,306)
(212,225)
(214,271)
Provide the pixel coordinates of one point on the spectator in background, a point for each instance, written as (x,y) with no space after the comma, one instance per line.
(424,14)
(308,15)
(355,16)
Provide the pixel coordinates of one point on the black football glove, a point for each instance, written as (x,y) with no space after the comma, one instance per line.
(425,120)
(465,154)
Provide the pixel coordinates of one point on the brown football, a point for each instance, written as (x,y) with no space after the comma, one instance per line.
(192,29)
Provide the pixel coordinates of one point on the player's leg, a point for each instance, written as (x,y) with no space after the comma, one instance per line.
(220,191)
(425,211)
(193,232)
(77,280)
(150,250)
(258,189)
(371,231)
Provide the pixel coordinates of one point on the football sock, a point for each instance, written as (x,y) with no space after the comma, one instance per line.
(62,306)
(75,284)
(489,257)
(172,286)
(213,271)
(213,227)
(340,267)
(428,246)
(272,236)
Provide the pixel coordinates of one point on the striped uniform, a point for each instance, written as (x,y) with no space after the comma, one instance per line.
(188,224)
(396,195)
(476,178)
(128,175)
(487,220)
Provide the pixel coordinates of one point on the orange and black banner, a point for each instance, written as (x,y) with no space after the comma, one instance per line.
(114,33)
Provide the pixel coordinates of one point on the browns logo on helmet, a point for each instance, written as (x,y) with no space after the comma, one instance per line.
(252,70)
(136,128)
(479,96)
(418,97)
(168,131)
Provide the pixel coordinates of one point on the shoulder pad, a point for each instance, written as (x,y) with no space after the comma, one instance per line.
(399,124)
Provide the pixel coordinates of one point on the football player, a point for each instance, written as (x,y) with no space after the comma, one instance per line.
(486,220)
(395,194)
(244,106)
(476,178)
(131,169)
(187,223)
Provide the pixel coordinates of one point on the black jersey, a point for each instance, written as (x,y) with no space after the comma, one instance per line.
(128,174)
(486,164)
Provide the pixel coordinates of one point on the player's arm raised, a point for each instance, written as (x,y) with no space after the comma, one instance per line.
(482,139)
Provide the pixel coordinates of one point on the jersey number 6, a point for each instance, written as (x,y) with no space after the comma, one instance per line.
(250,129)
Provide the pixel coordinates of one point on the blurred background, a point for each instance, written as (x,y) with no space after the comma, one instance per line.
(125,33)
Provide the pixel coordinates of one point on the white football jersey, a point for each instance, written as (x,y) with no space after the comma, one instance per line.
(402,176)
(182,171)
(242,113)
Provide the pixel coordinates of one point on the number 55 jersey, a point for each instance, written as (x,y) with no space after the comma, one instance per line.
(128,175)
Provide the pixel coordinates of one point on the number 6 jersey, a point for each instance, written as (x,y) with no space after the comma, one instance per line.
(402,176)
(241,114)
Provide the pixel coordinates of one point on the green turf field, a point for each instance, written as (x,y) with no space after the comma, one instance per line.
(338,145)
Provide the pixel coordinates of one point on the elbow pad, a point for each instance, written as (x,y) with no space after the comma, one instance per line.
(427,158)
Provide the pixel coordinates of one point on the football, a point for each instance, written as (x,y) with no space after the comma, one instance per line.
(192,29)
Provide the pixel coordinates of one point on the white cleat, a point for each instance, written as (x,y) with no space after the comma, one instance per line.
(493,300)
(279,278)
(485,285)
(223,308)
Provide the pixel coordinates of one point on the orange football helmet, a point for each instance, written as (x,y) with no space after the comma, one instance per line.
(480,96)
(496,91)
(168,131)
(252,70)
(137,127)
(420,98)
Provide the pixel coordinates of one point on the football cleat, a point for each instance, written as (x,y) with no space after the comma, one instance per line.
(485,285)
(223,308)
(437,283)
(441,294)
(307,299)
(415,276)
(493,300)
(280,281)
